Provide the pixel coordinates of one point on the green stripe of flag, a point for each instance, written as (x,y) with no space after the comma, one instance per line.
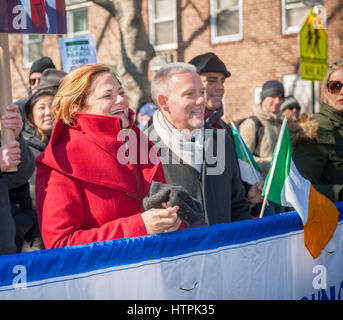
(282,163)
(239,145)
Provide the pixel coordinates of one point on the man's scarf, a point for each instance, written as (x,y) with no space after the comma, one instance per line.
(212,117)
(190,150)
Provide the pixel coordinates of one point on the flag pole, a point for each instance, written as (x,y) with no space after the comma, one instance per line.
(7,135)
(272,170)
(246,153)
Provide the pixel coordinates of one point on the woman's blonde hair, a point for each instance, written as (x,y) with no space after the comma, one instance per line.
(333,67)
(74,90)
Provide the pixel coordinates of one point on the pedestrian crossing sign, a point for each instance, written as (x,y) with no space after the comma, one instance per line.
(313,48)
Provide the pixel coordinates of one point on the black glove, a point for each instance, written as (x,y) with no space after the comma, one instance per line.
(190,211)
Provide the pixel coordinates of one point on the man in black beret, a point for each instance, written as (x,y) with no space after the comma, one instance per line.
(213,74)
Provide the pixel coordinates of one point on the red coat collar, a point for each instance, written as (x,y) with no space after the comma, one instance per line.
(88,151)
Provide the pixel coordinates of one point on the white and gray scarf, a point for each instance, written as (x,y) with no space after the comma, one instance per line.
(190,150)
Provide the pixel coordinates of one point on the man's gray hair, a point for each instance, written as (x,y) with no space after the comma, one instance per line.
(161,80)
(333,67)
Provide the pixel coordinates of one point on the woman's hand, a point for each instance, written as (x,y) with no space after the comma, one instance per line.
(161,220)
(9,155)
(12,119)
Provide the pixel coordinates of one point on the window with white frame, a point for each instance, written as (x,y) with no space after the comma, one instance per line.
(294,14)
(302,91)
(32,48)
(162,24)
(226,20)
(77,17)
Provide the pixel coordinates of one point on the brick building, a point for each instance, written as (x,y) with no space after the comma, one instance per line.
(257,39)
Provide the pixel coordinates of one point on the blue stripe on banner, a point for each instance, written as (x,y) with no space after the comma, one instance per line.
(66,261)
(51,16)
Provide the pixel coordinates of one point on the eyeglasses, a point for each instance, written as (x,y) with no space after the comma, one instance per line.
(335,87)
(33,81)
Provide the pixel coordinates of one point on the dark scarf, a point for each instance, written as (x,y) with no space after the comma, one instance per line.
(213,117)
(33,138)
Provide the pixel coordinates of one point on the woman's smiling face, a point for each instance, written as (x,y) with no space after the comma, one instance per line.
(41,113)
(107,97)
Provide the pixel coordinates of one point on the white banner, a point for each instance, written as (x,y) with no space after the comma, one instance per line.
(258,259)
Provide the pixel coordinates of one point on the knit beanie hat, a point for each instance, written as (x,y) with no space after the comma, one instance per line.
(209,62)
(290,102)
(41,64)
(272,88)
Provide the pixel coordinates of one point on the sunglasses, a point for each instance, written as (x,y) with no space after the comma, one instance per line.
(335,87)
(293,107)
(33,81)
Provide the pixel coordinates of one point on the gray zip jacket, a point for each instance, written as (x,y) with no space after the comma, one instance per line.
(221,195)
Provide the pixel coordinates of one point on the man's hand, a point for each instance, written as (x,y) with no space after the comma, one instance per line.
(254,193)
(9,155)
(12,119)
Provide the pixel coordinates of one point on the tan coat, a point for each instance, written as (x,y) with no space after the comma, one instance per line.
(261,143)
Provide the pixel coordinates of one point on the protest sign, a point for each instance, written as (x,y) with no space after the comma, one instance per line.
(24,16)
(77,51)
(34,16)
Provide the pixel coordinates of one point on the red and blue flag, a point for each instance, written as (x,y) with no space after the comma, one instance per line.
(33,16)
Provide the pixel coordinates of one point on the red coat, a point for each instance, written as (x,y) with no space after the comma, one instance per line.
(83,193)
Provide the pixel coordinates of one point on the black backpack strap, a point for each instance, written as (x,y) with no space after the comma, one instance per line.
(259,128)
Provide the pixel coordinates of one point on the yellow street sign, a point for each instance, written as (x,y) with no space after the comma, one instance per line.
(313,70)
(313,49)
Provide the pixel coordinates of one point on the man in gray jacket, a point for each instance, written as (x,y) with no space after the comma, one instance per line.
(196,156)
(15,153)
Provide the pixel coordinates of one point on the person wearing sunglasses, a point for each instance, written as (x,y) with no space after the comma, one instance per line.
(36,70)
(290,108)
(320,159)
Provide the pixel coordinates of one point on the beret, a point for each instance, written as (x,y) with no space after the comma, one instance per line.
(209,62)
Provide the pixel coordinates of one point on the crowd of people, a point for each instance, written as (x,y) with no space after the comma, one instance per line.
(89,169)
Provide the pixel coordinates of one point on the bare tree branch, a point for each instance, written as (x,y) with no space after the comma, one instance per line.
(136,50)
(107,5)
(336,11)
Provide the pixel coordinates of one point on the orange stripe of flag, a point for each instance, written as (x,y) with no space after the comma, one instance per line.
(321,222)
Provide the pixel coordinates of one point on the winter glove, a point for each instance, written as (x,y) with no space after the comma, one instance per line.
(190,211)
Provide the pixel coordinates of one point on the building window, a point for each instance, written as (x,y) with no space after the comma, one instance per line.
(226,20)
(77,18)
(162,24)
(294,14)
(32,48)
(257,95)
(302,91)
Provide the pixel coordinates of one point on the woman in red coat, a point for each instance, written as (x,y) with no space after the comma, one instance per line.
(89,187)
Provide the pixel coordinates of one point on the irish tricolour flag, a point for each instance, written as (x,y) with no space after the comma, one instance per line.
(250,170)
(285,186)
